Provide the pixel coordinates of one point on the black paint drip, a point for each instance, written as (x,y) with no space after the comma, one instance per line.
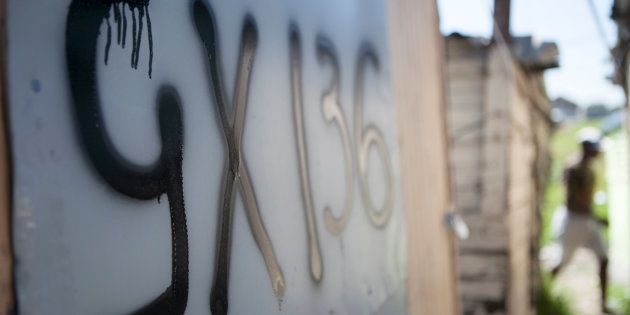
(139,40)
(109,38)
(133,36)
(137,23)
(143,182)
(124,28)
(117,20)
(150,33)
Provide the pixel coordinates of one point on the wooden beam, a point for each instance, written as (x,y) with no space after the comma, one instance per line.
(417,57)
(7,296)
(502,20)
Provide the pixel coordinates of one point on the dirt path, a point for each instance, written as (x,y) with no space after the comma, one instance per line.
(579,282)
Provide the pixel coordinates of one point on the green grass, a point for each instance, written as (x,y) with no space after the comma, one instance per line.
(618,294)
(563,147)
(549,302)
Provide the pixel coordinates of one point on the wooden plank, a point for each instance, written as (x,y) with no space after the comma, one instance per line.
(464,48)
(469,64)
(467,139)
(466,98)
(469,120)
(467,183)
(466,69)
(498,93)
(7,296)
(467,202)
(455,83)
(470,160)
(487,234)
(417,66)
(464,106)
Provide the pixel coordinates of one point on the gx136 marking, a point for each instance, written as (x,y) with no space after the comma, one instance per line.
(144,182)
(236,168)
(164,176)
(363,137)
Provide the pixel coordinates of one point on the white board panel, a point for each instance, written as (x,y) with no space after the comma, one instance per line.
(120,157)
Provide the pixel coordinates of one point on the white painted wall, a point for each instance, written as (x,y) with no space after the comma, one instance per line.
(83,248)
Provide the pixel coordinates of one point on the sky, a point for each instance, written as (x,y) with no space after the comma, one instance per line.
(585,62)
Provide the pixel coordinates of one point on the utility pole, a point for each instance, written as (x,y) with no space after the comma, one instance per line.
(502,20)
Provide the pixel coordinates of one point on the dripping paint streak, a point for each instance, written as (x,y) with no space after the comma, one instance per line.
(118,10)
(133,34)
(150,41)
(141,182)
(117,20)
(124,19)
(109,38)
(139,40)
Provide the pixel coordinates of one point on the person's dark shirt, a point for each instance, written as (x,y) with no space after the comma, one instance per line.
(580,185)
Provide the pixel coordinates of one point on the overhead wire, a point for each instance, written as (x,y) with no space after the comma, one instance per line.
(601,32)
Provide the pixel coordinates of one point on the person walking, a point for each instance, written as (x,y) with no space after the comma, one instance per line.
(580,228)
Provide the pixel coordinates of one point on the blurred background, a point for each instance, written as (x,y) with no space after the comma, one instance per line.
(524,77)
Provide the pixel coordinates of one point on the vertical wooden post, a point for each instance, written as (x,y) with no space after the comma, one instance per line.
(7,302)
(417,65)
(502,20)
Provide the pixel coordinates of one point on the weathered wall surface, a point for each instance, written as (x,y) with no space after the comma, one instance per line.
(498,139)
(417,65)
(210,192)
(466,83)
(72,218)
(476,139)
(6,261)
(520,204)
(529,163)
